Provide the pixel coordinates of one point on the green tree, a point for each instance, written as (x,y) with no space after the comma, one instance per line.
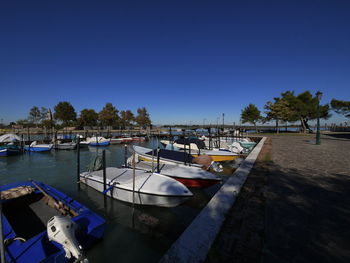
(142,118)
(108,115)
(341,107)
(34,115)
(65,112)
(126,118)
(304,108)
(250,114)
(88,117)
(279,110)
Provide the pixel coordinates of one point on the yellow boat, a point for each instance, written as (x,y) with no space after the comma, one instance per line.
(219,156)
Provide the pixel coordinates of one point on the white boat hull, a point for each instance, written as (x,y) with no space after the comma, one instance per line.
(124,192)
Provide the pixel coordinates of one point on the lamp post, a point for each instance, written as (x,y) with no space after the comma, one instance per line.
(318,134)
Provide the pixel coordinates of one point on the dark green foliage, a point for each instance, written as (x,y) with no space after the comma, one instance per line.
(304,108)
(142,117)
(278,111)
(65,112)
(250,114)
(108,115)
(341,107)
(88,117)
(126,118)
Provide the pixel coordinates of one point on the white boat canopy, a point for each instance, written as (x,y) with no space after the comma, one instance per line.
(9,137)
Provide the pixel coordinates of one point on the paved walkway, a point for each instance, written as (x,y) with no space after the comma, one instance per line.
(294,207)
(308,201)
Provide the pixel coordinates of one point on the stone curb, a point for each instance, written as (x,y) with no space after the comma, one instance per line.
(194,243)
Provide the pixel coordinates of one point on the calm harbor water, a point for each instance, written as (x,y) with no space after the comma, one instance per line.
(139,234)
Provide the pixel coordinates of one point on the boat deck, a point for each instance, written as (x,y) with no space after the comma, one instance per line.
(179,171)
(28,215)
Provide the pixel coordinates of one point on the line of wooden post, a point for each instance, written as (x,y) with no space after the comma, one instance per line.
(104,170)
(78,162)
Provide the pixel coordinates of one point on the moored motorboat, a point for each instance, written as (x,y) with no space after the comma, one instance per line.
(41,224)
(9,144)
(9,137)
(196,147)
(150,188)
(116,140)
(165,156)
(217,155)
(127,139)
(9,150)
(138,139)
(188,175)
(98,141)
(84,143)
(65,146)
(35,147)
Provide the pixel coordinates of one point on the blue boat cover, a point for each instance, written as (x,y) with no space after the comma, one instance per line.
(200,143)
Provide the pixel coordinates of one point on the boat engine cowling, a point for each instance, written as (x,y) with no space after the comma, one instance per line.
(62,230)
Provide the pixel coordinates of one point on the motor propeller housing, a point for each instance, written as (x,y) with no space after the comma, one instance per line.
(62,230)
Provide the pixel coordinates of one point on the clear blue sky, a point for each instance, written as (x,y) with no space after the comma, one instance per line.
(183,60)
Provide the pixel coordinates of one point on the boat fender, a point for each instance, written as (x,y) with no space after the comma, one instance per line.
(62,230)
(108,189)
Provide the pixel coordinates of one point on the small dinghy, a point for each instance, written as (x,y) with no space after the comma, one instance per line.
(9,150)
(138,139)
(98,141)
(10,145)
(66,146)
(244,142)
(150,188)
(84,143)
(9,137)
(116,140)
(127,139)
(35,147)
(188,175)
(41,224)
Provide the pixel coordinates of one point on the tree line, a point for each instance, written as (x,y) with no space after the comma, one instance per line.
(290,107)
(64,115)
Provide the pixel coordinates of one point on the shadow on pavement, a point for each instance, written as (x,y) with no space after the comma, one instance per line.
(336,136)
(307,216)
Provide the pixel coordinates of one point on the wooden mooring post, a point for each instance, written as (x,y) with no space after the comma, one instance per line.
(104,170)
(78,162)
(158,160)
(125,155)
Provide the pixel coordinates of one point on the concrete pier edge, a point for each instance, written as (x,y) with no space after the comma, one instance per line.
(194,243)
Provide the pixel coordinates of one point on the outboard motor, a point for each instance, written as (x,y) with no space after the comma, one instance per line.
(62,230)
